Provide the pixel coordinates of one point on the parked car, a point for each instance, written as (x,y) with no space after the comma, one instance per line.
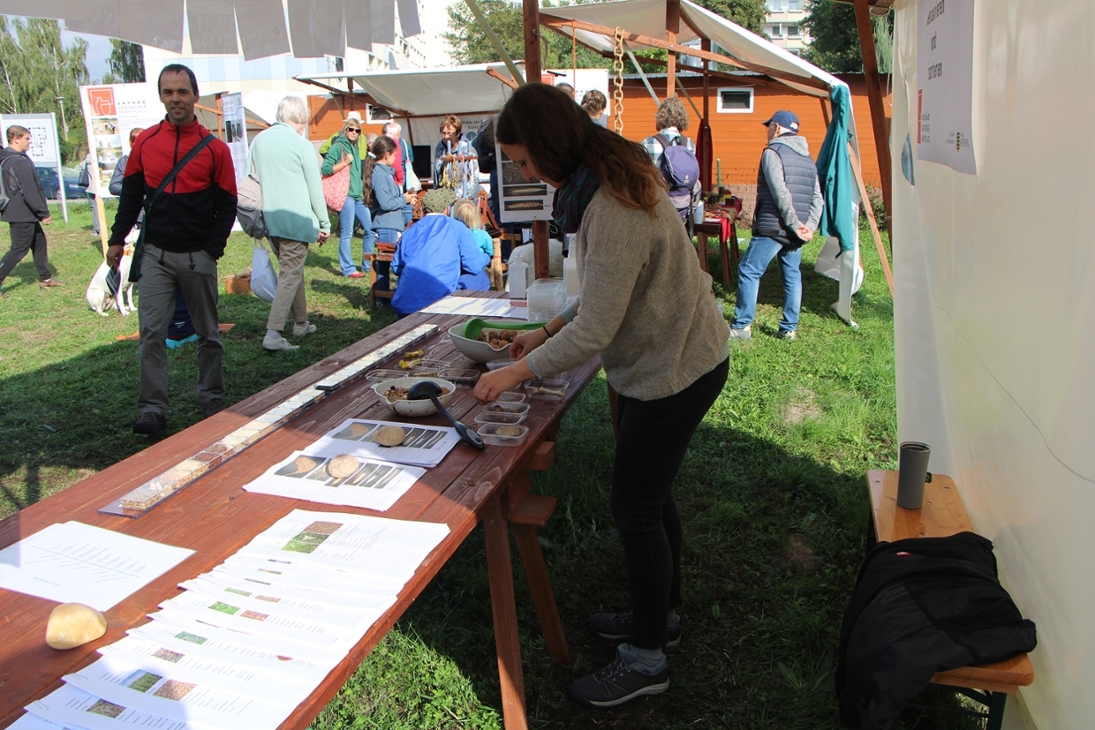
(47,176)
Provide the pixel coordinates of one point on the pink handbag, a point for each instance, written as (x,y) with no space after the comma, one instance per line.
(335,189)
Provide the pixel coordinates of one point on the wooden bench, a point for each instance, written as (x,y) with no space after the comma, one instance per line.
(943,515)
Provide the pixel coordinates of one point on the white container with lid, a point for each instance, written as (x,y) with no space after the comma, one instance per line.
(518,279)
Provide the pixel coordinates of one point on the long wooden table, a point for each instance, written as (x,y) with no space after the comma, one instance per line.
(215,517)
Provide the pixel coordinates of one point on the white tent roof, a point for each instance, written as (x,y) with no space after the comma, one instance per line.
(647,18)
(432,92)
(264,27)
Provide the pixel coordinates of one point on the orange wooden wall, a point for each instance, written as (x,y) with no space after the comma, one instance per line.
(739,138)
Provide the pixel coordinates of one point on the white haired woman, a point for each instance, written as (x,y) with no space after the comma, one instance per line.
(294,211)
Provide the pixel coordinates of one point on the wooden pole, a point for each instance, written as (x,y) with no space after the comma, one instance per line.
(879,120)
(869,210)
(532,72)
(672,26)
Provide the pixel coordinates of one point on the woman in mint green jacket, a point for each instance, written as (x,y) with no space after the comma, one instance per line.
(294,212)
(344,153)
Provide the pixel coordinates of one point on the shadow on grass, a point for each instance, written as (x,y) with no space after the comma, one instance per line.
(773,544)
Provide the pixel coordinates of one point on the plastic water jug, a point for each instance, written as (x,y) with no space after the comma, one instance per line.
(518,271)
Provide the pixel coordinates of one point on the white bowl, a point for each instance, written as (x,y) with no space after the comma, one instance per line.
(413,408)
(474,349)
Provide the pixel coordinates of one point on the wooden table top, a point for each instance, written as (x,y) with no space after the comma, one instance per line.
(215,517)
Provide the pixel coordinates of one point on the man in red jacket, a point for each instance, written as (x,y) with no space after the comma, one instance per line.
(185,229)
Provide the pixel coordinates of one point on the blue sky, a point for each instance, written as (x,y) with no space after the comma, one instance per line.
(98,50)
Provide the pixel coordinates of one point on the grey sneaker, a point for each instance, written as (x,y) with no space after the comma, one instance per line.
(304,328)
(617,627)
(745,333)
(277,344)
(625,678)
(788,335)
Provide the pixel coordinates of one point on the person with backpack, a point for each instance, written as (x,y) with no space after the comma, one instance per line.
(787,212)
(294,212)
(183,178)
(675,156)
(23,207)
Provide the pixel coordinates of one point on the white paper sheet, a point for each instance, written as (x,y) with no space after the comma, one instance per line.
(189,667)
(278,602)
(74,562)
(391,547)
(33,722)
(232,615)
(318,591)
(477,307)
(423,446)
(374,485)
(205,642)
(134,686)
(72,707)
(261,568)
(323,654)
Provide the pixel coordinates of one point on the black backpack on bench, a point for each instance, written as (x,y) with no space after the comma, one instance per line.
(922,606)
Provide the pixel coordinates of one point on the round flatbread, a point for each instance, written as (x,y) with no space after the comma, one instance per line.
(390,435)
(342,466)
(508,431)
(357,430)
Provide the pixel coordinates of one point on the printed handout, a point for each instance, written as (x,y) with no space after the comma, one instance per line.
(477,307)
(70,706)
(422,446)
(71,562)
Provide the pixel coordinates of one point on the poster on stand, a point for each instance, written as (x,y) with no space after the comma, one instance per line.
(235,130)
(112,112)
(944,68)
(45,148)
(520,200)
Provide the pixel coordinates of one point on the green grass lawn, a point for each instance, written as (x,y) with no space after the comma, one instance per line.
(772,493)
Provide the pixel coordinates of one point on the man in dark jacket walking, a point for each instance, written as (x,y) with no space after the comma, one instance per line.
(27,210)
(186,229)
(787,212)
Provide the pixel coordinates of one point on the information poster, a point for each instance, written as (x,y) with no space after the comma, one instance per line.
(521,200)
(112,112)
(235,130)
(44,150)
(945,75)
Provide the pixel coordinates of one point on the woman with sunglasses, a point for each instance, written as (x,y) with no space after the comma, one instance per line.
(344,153)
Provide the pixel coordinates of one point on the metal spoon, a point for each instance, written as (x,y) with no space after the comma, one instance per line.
(430,389)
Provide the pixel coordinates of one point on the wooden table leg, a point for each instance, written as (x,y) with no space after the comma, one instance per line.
(701,249)
(543,597)
(504,608)
(725,257)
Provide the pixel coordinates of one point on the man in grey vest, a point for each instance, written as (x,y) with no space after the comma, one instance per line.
(787,212)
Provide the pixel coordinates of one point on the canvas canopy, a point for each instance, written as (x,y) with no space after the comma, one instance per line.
(431,92)
(264,27)
(994,307)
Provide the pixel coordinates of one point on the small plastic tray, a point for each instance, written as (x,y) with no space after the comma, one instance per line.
(500,407)
(551,390)
(491,437)
(511,396)
(428,363)
(509,418)
(385,374)
(460,376)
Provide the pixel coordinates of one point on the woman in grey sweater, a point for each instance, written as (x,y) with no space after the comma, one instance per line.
(647,309)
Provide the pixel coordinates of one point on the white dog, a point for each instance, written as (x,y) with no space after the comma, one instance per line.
(98,296)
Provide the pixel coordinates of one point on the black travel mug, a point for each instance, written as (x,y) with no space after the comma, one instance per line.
(912,474)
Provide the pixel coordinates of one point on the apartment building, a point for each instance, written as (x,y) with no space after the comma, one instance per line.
(783,24)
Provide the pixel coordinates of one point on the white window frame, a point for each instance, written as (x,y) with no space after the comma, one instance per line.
(797,33)
(719,108)
(775,30)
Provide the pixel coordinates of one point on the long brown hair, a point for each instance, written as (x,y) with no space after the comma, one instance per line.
(559,136)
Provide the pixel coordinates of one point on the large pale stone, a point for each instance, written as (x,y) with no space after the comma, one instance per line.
(74,624)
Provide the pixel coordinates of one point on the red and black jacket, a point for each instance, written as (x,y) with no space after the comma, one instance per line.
(196,210)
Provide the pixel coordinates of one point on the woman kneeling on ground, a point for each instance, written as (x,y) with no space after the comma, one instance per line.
(647,309)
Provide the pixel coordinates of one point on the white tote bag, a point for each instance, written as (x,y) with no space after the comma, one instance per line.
(264,280)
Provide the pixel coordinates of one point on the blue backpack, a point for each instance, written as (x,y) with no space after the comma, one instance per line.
(681,171)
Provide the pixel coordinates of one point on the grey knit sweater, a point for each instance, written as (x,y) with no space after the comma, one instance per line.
(645,305)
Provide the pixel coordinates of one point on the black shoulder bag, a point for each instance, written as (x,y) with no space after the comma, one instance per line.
(138,250)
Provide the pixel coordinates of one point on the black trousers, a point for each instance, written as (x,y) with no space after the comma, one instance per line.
(650,448)
(26,237)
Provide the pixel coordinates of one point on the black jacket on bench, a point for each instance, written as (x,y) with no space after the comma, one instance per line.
(921,606)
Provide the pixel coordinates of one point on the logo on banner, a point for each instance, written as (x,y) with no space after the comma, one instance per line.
(101,101)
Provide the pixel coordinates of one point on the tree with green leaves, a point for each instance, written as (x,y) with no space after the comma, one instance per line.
(834,44)
(37,69)
(126,62)
(470,45)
